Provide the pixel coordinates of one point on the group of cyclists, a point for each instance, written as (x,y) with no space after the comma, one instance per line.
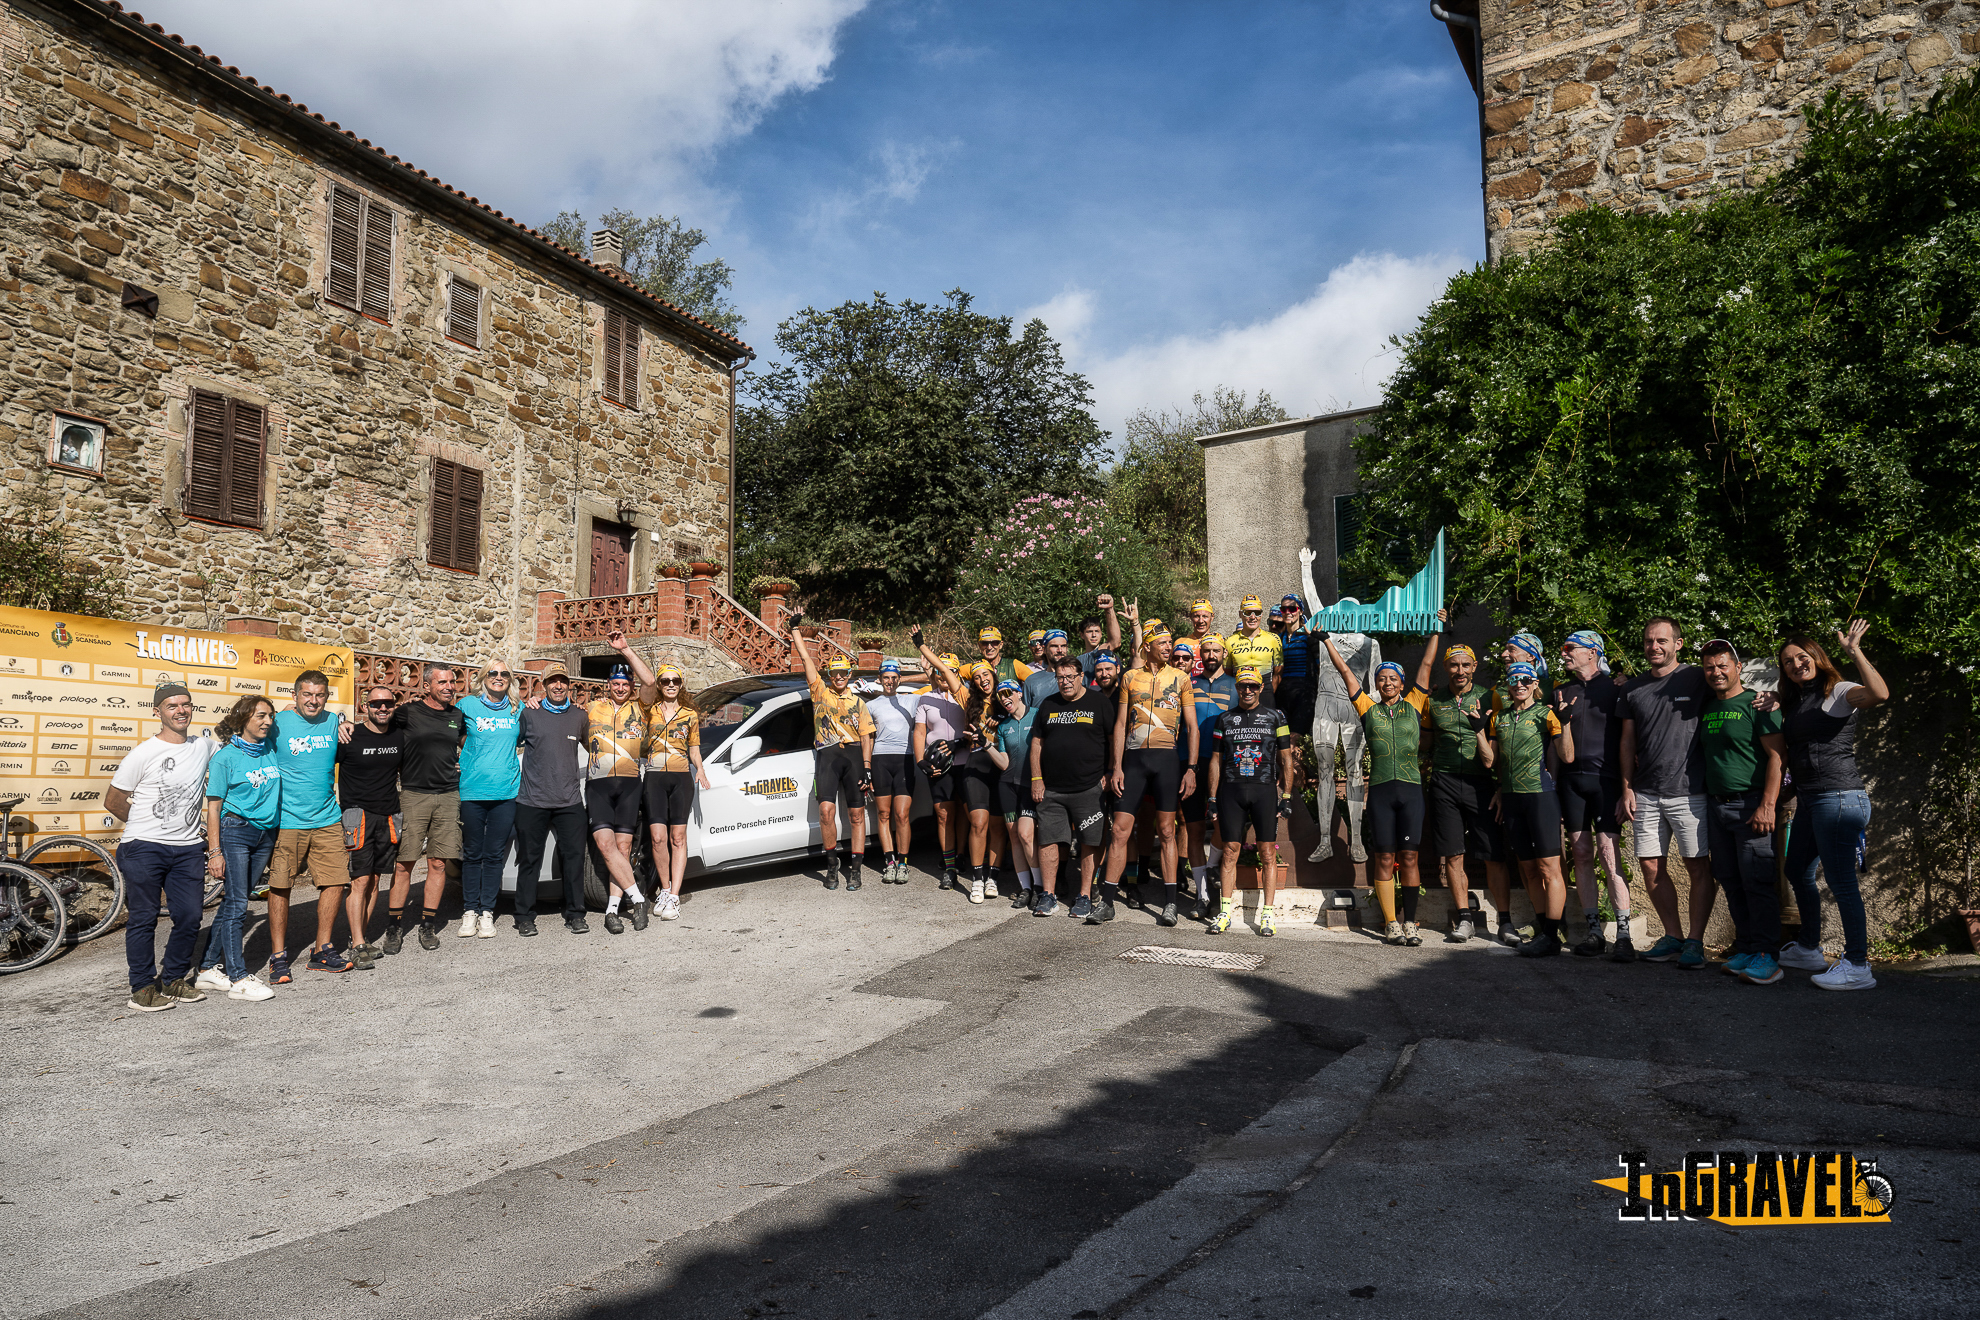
(1127,772)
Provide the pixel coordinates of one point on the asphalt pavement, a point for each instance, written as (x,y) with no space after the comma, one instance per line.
(892,1103)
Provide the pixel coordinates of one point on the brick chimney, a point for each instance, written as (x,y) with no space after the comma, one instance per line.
(607,248)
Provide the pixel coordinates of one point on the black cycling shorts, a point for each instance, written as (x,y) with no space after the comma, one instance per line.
(839,770)
(1590,802)
(1153,771)
(669,796)
(1533,824)
(1461,816)
(1196,807)
(1392,820)
(893,774)
(978,776)
(377,844)
(1014,798)
(945,787)
(1242,802)
(613,804)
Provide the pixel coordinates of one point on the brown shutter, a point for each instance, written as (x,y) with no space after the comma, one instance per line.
(464,313)
(614,340)
(247,438)
(629,372)
(346,245)
(206,457)
(467,519)
(375,297)
(440,537)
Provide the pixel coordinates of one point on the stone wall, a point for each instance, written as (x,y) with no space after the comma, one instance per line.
(127,162)
(1648,104)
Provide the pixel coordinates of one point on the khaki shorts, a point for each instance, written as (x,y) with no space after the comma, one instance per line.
(433,826)
(319,852)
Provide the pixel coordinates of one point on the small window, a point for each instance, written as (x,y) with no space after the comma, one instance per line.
(224,459)
(464,312)
(454,540)
(621,358)
(360,273)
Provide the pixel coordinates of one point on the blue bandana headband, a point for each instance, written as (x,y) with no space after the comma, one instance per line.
(1522,671)
(1055,635)
(890,666)
(1106,658)
(1592,640)
(622,671)
(1391,667)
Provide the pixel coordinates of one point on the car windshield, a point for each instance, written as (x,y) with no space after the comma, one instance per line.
(726,707)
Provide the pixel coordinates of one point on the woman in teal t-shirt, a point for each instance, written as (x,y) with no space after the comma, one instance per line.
(243,808)
(491,776)
(1012,754)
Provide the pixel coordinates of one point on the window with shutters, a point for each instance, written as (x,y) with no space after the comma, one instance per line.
(360,267)
(226,452)
(454,540)
(621,358)
(464,312)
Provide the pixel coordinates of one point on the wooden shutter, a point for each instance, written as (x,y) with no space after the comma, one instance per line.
(206,457)
(615,335)
(360,267)
(454,540)
(247,439)
(629,369)
(375,295)
(224,456)
(464,313)
(346,245)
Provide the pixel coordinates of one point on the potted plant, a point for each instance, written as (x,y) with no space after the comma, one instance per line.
(672,568)
(769,584)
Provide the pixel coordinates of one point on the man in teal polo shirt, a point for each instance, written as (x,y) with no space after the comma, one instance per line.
(312,827)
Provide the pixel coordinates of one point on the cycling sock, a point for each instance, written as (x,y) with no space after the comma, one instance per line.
(979,874)
(1409,897)
(1131,873)
(1622,925)
(612,903)
(397,917)
(1110,893)
(1594,917)
(889,858)
(1385,894)
(1168,895)
(634,896)
(949,859)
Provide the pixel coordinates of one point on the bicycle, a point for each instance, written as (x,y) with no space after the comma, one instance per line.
(33,919)
(84,873)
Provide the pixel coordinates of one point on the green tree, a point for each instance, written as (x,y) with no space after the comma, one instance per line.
(1157,486)
(890,434)
(659,257)
(1745,416)
(38,571)
(1042,563)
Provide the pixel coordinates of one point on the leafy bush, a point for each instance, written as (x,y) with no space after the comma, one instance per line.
(1043,562)
(37,572)
(1158,485)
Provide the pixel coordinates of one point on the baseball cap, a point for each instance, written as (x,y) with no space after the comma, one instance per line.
(990,635)
(166,691)
(555,670)
(1718,645)
(1251,603)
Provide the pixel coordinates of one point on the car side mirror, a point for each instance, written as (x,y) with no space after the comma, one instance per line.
(745,751)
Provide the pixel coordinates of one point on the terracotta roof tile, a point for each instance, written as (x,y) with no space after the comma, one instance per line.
(112,10)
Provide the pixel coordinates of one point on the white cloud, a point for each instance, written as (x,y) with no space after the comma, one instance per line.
(1327,352)
(530,105)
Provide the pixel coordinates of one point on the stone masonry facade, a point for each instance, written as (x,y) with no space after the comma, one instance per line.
(1647,104)
(130,159)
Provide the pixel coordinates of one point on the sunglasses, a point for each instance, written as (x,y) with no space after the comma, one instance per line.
(1251,614)
(1524,682)
(380,705)
(498,673)
(670,682)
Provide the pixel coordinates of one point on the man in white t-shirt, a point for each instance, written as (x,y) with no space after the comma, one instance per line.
(159,792)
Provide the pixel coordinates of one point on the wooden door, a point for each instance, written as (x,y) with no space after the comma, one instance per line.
(611,558)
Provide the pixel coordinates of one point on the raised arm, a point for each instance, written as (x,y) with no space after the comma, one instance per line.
(1341,667)
(803,648)
(1874,691)
(1306,558)
(649,687)
(1427,666)
(939,674)
(1113,623)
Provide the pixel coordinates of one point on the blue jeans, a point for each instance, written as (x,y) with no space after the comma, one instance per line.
(161,875)
(246,848)
(1825,830)
(1743,864)
(486,828)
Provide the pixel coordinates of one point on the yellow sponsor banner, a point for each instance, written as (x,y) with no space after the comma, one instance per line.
(75,697)
(1763,1189)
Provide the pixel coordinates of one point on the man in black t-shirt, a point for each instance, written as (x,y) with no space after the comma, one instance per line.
(368,791)
(1251,770)
(1590,787)
(1070,741)
(1663,795)
(430,794)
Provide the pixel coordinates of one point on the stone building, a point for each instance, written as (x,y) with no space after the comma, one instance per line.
(292,384)
(1648,104)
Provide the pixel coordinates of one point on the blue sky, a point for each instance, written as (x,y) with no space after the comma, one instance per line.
(1189,194)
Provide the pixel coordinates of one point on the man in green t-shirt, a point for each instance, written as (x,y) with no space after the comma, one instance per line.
(1743,749)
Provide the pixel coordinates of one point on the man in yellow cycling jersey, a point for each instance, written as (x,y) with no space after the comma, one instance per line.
(1254,646)
(615,736)
(992,642)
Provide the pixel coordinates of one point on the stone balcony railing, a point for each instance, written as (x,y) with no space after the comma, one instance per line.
(694,609)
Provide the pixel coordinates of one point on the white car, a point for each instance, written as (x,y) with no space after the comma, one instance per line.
(761,803)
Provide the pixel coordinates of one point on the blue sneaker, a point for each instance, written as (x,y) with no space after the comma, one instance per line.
(1082,908)
(1665,949)
(1045,906)
(1736,964)
(1693,955)
(1761,969)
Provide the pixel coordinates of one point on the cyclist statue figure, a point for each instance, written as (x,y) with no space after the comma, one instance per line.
(1337,728)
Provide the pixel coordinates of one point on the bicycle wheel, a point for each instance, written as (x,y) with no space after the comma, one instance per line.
(86,874)
(32,918)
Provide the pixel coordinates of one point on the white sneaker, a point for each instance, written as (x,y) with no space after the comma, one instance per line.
(976,891)
(1802,958)
(250,987)
(213,978)
(487,931)
(470,925)
(670,906)
(1846,975)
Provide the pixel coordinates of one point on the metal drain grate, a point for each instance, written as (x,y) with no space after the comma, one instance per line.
(1216,962)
